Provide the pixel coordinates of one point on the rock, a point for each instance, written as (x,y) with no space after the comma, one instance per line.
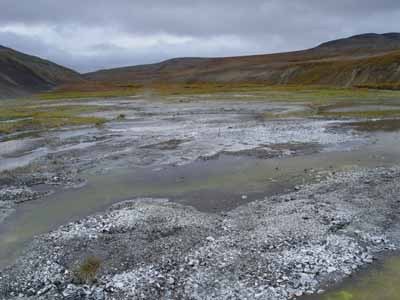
(298,293)
(331,270)
(44,290)
(210,239)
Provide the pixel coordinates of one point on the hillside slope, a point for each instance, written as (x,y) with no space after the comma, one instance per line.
(362,59)
(22,74)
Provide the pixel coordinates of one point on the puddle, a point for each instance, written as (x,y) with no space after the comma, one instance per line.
(21,161)
(380,282)
(377,125)
(74,133)
(364,108)
(17,147)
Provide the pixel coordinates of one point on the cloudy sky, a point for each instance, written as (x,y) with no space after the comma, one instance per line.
(93,34)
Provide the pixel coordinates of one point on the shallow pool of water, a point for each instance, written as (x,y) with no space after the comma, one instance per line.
(380,282)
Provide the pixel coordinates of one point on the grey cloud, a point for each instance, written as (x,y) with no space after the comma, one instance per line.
(260,25)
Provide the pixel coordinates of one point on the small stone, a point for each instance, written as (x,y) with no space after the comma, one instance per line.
(210,239)
(298,293)
(331,270)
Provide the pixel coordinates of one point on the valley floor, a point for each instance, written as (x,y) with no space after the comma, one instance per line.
(195,198)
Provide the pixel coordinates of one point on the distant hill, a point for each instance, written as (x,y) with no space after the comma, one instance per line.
(362,60)
(369,42)
(22,74)
(358,60)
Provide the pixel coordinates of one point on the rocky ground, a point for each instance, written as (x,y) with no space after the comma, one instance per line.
(153,135)
(279,247)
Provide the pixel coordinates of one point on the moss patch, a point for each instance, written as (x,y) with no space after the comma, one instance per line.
(87,271)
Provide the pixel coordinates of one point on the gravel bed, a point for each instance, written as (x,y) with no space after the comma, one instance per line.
(279,247)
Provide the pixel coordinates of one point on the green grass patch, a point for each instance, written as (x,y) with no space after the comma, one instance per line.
(56,95)
(25,117)
(221,91)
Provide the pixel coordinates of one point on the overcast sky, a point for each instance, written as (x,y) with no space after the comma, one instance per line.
(93,34)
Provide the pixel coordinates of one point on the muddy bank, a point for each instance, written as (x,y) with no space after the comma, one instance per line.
(275,248)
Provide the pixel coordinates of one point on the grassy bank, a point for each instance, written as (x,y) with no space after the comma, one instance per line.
(321,101)
(30,117)
(223,90)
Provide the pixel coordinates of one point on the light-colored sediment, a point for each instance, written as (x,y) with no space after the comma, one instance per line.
(275,248)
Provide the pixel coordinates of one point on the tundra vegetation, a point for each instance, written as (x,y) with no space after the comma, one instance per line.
(66,106)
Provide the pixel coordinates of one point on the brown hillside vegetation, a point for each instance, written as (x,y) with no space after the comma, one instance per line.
(369,59)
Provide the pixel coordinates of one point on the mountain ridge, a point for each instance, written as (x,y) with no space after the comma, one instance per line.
(360,60)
